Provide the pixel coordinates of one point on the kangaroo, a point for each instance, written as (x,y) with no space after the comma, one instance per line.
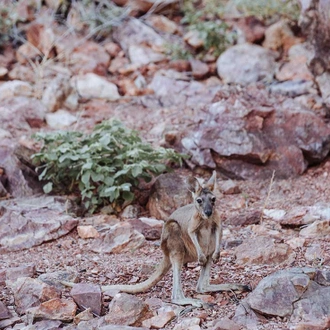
(192,233)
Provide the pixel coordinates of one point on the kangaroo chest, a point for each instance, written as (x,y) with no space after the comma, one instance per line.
(206,237)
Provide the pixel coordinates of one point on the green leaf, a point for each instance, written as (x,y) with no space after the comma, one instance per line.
(137,170)
(48,187)
(42,174)
(128,196)
(86,177)
(108,181)
(96,177)
(126,186)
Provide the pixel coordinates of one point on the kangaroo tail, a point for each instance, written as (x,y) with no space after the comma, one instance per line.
(159,273)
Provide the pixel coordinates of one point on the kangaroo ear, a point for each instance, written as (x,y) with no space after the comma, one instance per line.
(198,185)
(212,183)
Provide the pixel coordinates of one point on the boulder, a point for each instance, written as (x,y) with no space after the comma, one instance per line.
(88,296)
(54,309)
(120,238)
(29,292)
(264,250)
(28,222)
(14,88)
(250,133)
(13,273)
(89,57)
(246,63)
(169,192)
(294,293)
(92,86)
(126,309)
(135,32)
(18,179)
(60,119)
(20,114)
(4,312)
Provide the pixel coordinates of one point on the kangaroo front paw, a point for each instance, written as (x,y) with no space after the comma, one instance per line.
(202,260)
(216,257)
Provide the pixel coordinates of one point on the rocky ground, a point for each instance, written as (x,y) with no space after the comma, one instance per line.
(262,124)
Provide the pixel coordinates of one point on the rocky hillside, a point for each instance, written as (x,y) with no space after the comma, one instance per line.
(238,86)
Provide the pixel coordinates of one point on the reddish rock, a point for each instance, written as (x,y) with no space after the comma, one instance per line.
(264,250)
(251,28)
(87,232)
(162,23)
(29,292)
(88,296)
(43,219)
(42,37)
(113,49)
(245,139)
(54,309)
(199,69)
(279,36)
(90,57)
(229,187)
(180,65)
(248,217)
(226,324)
(149,232)
(126,309)
(26,53)
(120,238)
(13,273)
(169,192)
(160,320)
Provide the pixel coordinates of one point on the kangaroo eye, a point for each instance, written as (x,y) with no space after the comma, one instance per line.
(213,199)
(199,200)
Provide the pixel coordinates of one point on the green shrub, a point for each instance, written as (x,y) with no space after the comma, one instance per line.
(103,167)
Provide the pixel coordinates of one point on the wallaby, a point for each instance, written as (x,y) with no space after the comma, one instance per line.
(192,233)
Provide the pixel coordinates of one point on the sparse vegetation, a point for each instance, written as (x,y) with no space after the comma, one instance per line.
(8,20)
(268,10)
(99,17)
(103,167)
(214,32)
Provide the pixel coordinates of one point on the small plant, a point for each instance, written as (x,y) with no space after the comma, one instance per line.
(103,167)
(177,51)
(99,16)
(269,10)
(8,19)
(214,32)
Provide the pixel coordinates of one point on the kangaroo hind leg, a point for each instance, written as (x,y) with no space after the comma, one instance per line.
(204,285)
(173,244)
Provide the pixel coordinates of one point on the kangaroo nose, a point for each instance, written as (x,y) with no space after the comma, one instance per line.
(208,212)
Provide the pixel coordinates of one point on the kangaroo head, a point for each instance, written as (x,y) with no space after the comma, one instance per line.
(204,198)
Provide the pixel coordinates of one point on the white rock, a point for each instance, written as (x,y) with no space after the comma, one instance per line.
(296,242)
(193,39)
(92,86)
(152,222)
(15,88)
(246,63)
(4,134)
(317,229)
(274,214)
(142,55)
(60,119)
